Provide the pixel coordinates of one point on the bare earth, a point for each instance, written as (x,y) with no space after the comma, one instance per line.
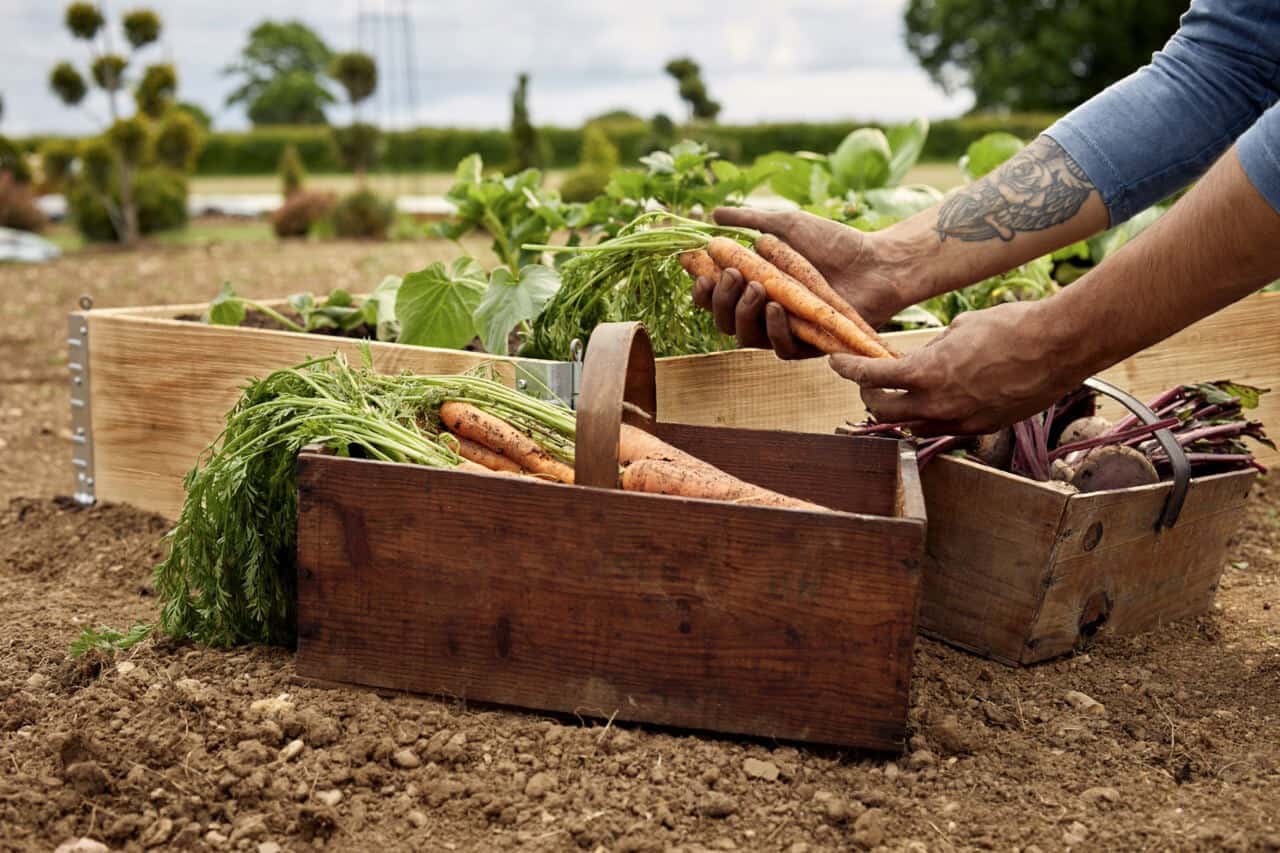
(180,747)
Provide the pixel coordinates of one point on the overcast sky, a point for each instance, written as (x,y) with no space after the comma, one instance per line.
(762,59)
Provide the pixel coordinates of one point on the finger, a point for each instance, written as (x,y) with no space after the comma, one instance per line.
(774,221)
(748,317)
(895,406)
(703,287)
(724,302)
(785,344)
(877,372)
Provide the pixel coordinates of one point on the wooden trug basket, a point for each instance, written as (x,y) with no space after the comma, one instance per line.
(1021,571)
(589,600)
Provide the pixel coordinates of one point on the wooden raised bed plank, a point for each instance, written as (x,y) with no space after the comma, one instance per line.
(697,614)
(161,387)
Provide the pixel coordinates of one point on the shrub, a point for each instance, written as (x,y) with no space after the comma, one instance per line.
(56,157)
(599,159)
(17,208)
(14,161)
(584,183)
(177,143)
(363,214)
(300,212)
(159,194)
(291,172)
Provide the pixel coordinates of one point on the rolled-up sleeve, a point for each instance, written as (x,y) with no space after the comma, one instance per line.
(1161,127)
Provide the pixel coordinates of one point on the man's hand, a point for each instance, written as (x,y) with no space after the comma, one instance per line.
(846,257)
(986,370)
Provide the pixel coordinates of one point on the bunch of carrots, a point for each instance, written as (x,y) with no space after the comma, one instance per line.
(648,464)
(817,314)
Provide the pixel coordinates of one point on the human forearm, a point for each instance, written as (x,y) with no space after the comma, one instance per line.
(1218,244)
(1038,201)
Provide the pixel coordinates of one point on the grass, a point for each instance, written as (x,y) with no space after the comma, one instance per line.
(198,232)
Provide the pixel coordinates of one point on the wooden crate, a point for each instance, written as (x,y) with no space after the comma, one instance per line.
(160,387)
(588,600)
(1021,571)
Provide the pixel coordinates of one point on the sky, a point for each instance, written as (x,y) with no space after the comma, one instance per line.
(451,63)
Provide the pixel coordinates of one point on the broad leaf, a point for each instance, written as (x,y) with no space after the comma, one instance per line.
(659,163)
(1110,241)
(862,160)
(791,175)
(379,310)
(509,301)
(901,202)
(435,305)
(906,141)
(987,153)
(626,184)
(226,309)
(470,169)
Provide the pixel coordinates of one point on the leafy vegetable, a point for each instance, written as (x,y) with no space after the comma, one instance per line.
(510,302)
(861,161)
(435,306)
(228,309)
(988,152)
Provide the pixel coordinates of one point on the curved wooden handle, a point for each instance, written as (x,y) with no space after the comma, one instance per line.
(618,369)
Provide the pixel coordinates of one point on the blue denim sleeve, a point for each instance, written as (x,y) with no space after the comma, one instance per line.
(1259,153)
(1161,127)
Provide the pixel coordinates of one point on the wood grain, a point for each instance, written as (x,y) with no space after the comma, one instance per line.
(1021,572)
(697,614)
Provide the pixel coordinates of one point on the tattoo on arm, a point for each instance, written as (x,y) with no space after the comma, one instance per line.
(1038,188)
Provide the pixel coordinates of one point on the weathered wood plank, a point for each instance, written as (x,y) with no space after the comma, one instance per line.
(989,543)
(1113,572)
(697,614)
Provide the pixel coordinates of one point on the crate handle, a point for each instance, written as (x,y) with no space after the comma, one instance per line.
(1177,456)
(618,385)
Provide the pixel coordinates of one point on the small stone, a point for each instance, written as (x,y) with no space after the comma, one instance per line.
(82,845)
(125,667)
(540,784)
(757,769)
(214,838)
(275,706)
(799,847)
(291,750)
(951,737)
(1084,702)
(36,680)
(835,810)
(1075,834)
(717,804)
(157,833)
(192,690)
(248,827)
(406,759)
(330,797)
(891,771)
(868,829)
(724,844)
(88,778)
(1101,795)
(920,759)
(269,847)
(417,818)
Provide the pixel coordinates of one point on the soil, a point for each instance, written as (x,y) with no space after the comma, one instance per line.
(175,746)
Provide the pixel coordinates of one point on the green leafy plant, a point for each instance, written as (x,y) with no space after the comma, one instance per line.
(511,302)
(291,171)
(436,305)
(363,215)
(514,210)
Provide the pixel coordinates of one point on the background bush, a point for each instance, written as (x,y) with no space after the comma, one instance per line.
(363,215)
(300,211)
(160,195)
(17,207)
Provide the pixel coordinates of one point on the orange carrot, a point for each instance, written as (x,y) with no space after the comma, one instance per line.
(796,265)
(652,465)
(699,264)
(793,296)
(476,468)
(466,421)
(673,477)
(819,338)
(481,455)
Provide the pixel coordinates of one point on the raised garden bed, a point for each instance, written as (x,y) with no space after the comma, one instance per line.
(158,387)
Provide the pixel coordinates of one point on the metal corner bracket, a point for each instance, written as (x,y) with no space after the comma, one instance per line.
(81,413)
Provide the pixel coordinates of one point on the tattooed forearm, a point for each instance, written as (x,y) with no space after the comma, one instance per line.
(1038,188)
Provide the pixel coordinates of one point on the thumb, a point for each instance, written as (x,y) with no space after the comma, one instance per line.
(876,372)
(772,221)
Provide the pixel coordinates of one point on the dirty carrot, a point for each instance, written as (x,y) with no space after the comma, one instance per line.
(674,477)
(796,265)
(699,265)
(793,296)
(818,338)
(466,421)
(473,451)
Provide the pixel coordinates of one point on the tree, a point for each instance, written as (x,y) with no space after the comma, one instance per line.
(357,144)
(1049,55)
(281,70)
(692,89)
(114,163)
(526,148)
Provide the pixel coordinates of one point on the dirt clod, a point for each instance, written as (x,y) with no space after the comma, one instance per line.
(757,769)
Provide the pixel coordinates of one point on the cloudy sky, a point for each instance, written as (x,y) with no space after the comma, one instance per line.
(451,63)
